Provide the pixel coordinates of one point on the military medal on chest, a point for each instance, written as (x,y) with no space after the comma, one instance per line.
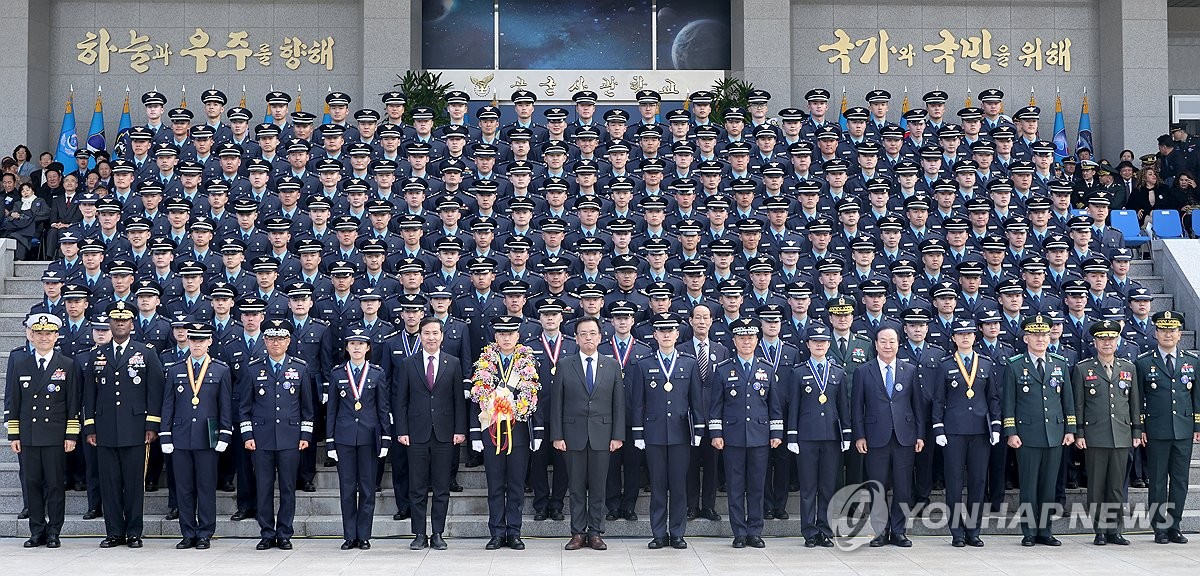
(196,381)
(357,388)
(552,353)
(822,378)
(968,376)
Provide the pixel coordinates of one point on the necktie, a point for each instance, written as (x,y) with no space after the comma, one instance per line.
(250,344)
(842,348)
(196,366)
(771,351)
(429,374)
(589,376)
(820,371)
(702,359)
(482,302)
(1108,370)
(889,381)
(179,354)
(372,281)
(120,350)
(1171,363)
(746,369)
(621,347)
(274,369)
(1041,369)
(145,324)
(42,364)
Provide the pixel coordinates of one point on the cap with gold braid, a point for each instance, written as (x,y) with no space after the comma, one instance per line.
(1168,320)
(840,306)
(1036,324)
(1105,329)
(120,310)
(43,323)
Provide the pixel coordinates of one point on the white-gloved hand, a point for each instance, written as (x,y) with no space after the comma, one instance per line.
(941,439)
(793,447)
(383,452)
(168,448)
(467,394)
(331,454)
(639,444)
(535,444)
(222,445)
(477,445)
(995,438)
(696,440)
(324,397)
(845,445)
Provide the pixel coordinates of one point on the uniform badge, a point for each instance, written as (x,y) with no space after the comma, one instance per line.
(1025,389)
(1153,385)
(762,392)
(1092,391)
(954,383)
(1122,384)
(59,374)
(343,393)
(1184,379)
(733,393)
(757,386)
(262,391)
(137,361)
(808,389)
(291,373)
(653,384)
(51,388)
(179,389)
(760,375)
(292,390)
(667,387)
(132,371)
(899,387)
(137,380)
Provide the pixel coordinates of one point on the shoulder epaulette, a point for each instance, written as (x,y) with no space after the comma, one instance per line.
(1056,355)
(1016,358)
(299,361)
(259,360)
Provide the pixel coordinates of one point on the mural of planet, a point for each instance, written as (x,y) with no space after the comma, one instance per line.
(701,45)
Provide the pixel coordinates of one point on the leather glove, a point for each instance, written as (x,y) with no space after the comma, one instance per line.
(941,439)
(331,454)
(168,448)
(696,440)
(535,444)
(639,444)
(995,438)
(793,447)
(383,452)
(477,445)
(221,446)
(845,445)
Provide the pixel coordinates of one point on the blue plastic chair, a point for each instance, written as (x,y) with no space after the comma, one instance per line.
(1127,222)
(1167,224)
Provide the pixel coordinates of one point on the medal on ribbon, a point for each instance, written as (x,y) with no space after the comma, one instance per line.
(822,378)
(667,370)
(357,389)
(195,382)
(968,376)
(552,355)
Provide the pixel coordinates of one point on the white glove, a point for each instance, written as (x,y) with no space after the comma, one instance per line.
(793,447)
(941,439)
(168,448)
(331,454)
(324,397)
(995,438)
(535,444)
(639,444)
(696,440)
(222,445)
(845,445)
(383,452)
(477,445)
(467,394)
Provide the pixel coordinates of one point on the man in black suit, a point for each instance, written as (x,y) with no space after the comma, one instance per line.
(886,411)
(41,409)
(431,420)
(702,485)
(587,421)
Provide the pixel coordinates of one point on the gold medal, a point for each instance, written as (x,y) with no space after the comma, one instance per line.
(358,405)
(668,387)
(822,398)
(195,400)
(970,393)
(553,369)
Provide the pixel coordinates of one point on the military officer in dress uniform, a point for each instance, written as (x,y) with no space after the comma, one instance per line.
(41,410)
(850,351)
(549,347)
(197,425)
(359,423)
(276,423)
(1167,378)
(122,401)
(966,421)
(1108,407)
(313,341)
(818,424)
(746,434)
(668,419)
(1039,419)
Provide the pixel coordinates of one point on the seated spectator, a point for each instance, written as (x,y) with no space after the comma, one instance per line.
(25,218)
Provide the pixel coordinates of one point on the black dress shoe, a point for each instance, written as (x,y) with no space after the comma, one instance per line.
(959,543)
(283,544)
(540,516)
(420,542)
(825,541)
(631,516)
(1028,541)
(401,515)
(33,542)
(186,543)
(134,542)
(309,487)
(242,515)
(495,543)
(710,514)
(456,487)
(228,487)
(202,543)
(755,542)
(349,544)
(1161,538)
(437,542)
(657,543)
(610,516)
(678,543)
(1176,537)
(516,543)
(111,542)
(23,514)
(1048,541)
(557,516)
(1139,483)
(265,544)
(975,541)
(901,541)
(781,514)
(1116,538)
(739,541)
(692,513)
(880,540)
(172,514)
(152,486)
(330,463)
(53,542)
(810,542)
(1099,540)
(364,544)
(92,515)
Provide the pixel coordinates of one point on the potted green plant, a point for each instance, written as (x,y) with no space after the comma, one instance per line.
(423,88)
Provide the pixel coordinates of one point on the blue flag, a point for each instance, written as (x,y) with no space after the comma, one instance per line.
(68,141)
(1060,132)
(95,139)
(1085,129)
(122,129)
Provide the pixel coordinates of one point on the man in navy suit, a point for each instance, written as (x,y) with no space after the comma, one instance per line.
(886,413)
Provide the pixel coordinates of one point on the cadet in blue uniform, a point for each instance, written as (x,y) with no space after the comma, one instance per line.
(122,401)
(746,434)
(1039,419)
(197,425)
(276,422)
(549,347)
(818,424)
(312,340)
(359,419)
(668,419)
(625,465)
(41,410)
(966,420)
(244,345)
(1167,377)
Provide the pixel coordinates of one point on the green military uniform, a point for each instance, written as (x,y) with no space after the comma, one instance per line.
(1108,408)
(1038,407)
(1171,418)
(854,353)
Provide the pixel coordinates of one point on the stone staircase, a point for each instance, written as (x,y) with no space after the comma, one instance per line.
(318,513)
